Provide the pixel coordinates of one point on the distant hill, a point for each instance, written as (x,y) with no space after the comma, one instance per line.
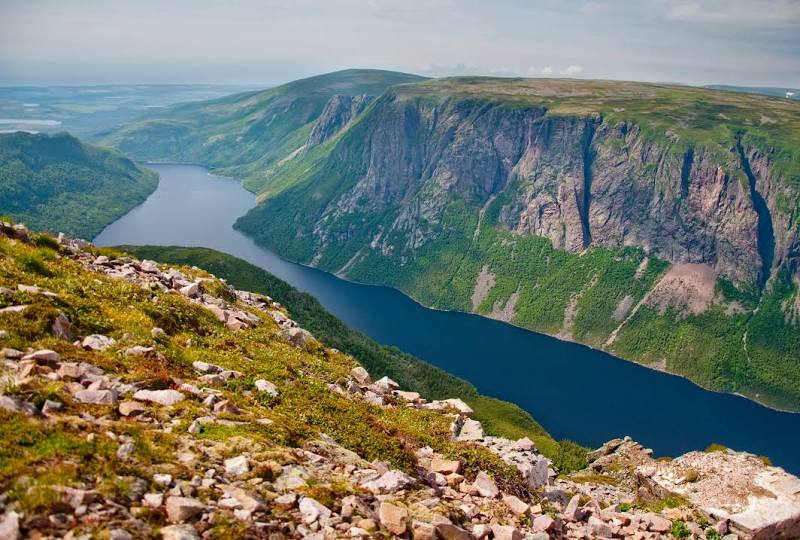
(56,183)
(248,134)
(791,93)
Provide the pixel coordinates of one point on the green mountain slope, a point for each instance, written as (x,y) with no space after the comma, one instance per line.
(660,223)
(498,417)
(247,134)
(56,183)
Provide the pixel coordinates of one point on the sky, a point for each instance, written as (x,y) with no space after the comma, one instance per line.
(743,42)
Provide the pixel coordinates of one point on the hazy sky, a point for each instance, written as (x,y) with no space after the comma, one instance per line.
(751,42)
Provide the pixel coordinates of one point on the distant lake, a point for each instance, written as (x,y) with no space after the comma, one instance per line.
(575,392)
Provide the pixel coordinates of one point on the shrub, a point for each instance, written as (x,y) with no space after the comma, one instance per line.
(33,264)
(692,475)
(680,530)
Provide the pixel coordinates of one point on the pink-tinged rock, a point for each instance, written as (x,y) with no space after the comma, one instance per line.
(393,518)
(445,466)
(97,342)
(544,523)
(506,532)
(9,526)
(44,357)
(97,397)
(390,482)
(600,528)
(516,505)
(178,532)
(485,485)
(448,531)
(162,397)
(183,508)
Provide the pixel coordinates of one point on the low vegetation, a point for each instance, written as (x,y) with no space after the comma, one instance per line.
(56,183)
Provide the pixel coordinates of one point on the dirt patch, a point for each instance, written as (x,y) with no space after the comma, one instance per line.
(689,288)
(483,284)
(642,268)
(505,312)
(623,308)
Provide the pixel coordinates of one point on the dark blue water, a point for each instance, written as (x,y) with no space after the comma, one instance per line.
(573,391)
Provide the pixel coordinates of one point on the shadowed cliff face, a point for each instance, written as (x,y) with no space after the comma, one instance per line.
(579,182)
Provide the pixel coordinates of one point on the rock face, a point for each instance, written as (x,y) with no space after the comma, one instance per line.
(758,501)
(576,180)
(338,112)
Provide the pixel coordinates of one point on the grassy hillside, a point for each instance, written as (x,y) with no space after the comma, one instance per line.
(56,183)
(246,134)
(498,417)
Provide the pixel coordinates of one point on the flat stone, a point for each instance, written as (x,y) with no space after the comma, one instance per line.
(448,531)
(393,518)
(131,407)
(153,500)
(8,403)
(485,485)
(179,532)
(266,386)
(237,466)
(44,356)
(390,482)
(445,466)
(506,532)
(516,505)
(97,342)
(183,508)
(12,354)
(313,511)
(163,480)
(162,397)
(97,397)
(139,350)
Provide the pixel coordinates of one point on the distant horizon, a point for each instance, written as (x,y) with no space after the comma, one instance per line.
(265,85)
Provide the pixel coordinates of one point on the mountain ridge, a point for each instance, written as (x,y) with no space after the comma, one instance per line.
(639,218)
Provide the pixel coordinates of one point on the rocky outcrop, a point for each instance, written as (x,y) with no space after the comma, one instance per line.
(338,113)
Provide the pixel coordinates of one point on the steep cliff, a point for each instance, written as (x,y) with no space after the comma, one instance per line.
(248,134)
(658,222)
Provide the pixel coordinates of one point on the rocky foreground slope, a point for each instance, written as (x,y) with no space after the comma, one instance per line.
(144,401)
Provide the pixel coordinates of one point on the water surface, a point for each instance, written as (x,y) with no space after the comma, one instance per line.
(573,391)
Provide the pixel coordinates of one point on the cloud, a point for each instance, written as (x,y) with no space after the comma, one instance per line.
(547,71)
(571,70)
(745,13)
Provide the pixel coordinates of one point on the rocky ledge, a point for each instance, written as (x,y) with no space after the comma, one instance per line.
(272,490)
